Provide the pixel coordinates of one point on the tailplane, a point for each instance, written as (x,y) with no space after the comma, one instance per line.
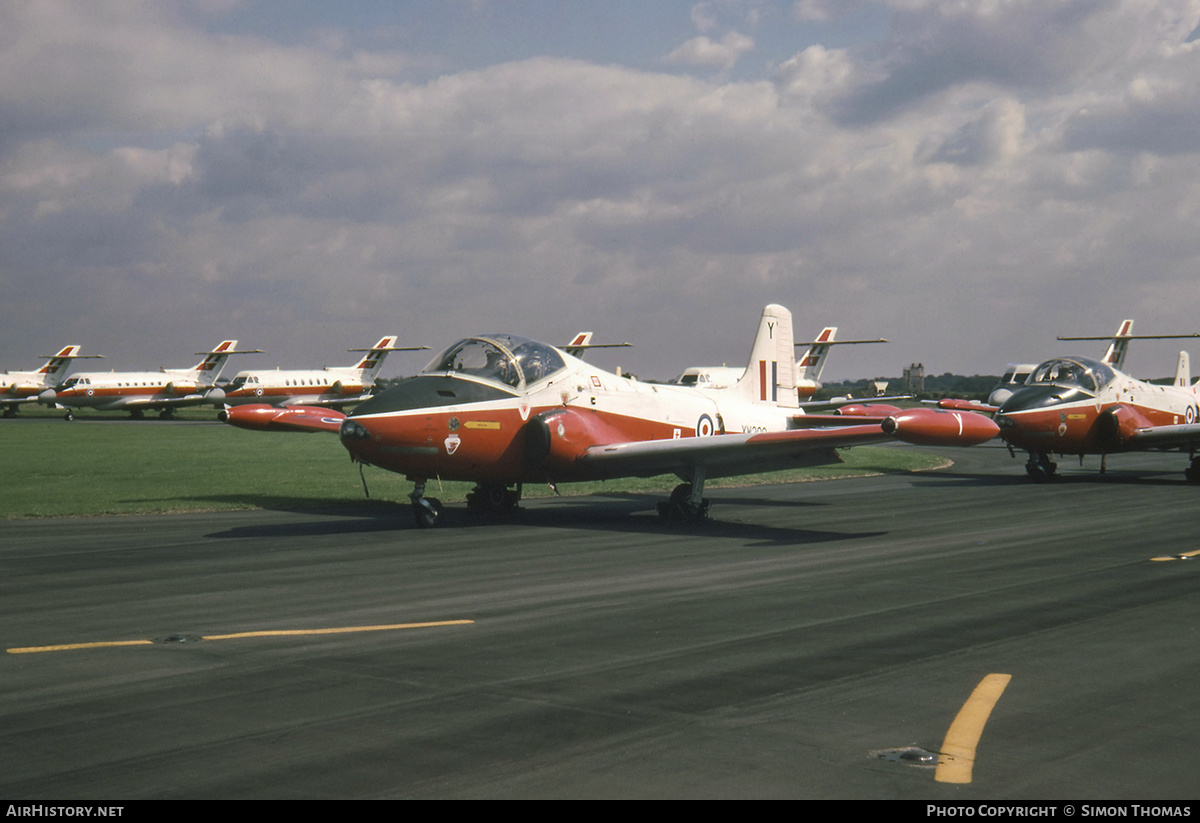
(770,376)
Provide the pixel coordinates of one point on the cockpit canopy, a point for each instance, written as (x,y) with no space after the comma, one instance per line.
(502,358)
(1074,372)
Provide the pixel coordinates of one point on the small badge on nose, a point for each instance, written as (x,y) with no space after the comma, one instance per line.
(451,443)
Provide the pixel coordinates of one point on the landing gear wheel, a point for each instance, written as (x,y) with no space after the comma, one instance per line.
(166,414)
(681,508)
(493,499)
(1040,468)
(426,511)
(1192,473)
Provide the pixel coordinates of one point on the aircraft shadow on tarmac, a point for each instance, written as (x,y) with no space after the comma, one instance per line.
(616,513)
(1064,477)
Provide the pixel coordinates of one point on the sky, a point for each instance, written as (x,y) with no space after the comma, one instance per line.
(967,178)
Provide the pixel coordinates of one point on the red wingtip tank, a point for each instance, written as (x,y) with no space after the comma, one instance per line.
(272,418)
(935,427)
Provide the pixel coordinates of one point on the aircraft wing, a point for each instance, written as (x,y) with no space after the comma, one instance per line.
(332,402)
(261,417)
(956,404)
(830,405)
(1179,436)
(729,454)
(153,402)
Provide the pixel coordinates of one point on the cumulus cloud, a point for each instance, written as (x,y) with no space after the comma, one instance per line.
(979,161)
(722,54)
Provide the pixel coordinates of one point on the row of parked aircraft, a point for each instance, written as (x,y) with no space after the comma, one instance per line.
(166,390)
(501,410)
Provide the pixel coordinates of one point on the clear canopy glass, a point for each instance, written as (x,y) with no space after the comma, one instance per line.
(1076,372)
(503,358)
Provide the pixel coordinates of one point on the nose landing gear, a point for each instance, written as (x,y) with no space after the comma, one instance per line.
(425,509)
(1040,467)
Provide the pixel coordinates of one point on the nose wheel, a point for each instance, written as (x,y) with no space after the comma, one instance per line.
(1040,467)
(425,509)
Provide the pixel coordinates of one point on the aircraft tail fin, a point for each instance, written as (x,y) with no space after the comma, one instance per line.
(770,376)
(208,369)
(579,344)
(57,364)
(810,366)
(370,364)
(1183,371)
(1115,356)
(812,363)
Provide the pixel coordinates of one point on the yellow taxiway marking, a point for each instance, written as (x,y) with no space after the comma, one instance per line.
(958,749)
(69,646)
(291,632)
(266,633)
(1184,556)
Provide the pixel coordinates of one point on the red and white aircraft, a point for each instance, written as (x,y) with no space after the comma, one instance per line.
(25,386)
(336,387)
(1017,373)
(502,411)
(135,392)
(808,367)
(1079,406)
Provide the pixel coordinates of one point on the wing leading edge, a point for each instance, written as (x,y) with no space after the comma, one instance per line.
(730,454)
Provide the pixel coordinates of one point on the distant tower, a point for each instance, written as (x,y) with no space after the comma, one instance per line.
(914,378)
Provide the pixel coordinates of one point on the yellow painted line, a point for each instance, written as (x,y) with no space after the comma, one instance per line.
(482,424)
(345,630)
(958,749)
(266,633)
(1184,556)
(69,646)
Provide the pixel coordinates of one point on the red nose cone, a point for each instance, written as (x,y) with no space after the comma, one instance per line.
(933,427)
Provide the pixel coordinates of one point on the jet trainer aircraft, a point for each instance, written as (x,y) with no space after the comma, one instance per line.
(501,411)
(135,392)
(336,387)
(1079,406)
(25,386)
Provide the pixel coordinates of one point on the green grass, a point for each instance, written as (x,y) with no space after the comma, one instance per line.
(106,464)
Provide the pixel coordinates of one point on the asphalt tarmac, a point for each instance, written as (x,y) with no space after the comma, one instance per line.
(815,641)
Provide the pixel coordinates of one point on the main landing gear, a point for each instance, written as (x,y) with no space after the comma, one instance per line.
(687,503)
(493,499)
(490,499)
(1192,472)
(1040,467)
